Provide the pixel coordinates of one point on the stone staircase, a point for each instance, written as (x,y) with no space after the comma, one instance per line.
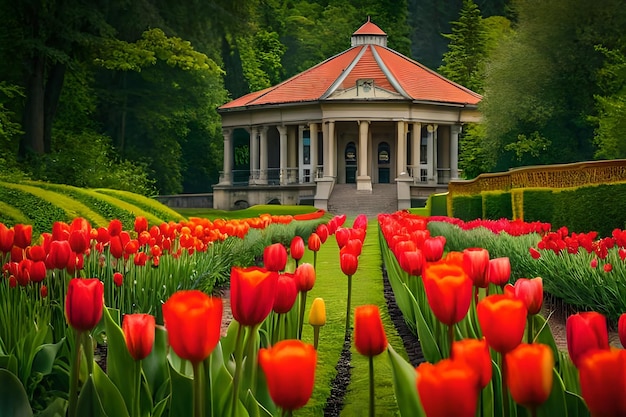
(345,199)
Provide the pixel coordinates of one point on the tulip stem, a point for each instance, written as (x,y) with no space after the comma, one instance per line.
(505,389)
(530,329)
(316,336)
(302,308)
(198,394)
(136,398)
(251,354)
(74,373)
(372,399)
(348,304)
(238,360)
(450,339)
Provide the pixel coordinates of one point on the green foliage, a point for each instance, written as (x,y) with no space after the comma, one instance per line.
(261,55)
(438,204)
(497,205)
(43,213)
(9,215)
(467,207)
(146,204)
(102,204)
(606,202)
(464,60)
(474,159)
(538,204)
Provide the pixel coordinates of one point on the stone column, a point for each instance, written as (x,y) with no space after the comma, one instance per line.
(454,151)
(363,181)
(254,155)
(430,152)
(282,130)
(263,155)
(313,150)
(416,147)
(292,154)
(330,161)
(227,176)
(401,148)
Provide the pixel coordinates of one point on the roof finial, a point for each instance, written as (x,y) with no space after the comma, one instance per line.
(368,18)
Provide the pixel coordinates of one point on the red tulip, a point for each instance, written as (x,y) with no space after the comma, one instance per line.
(354,246)
(342,235)
(141,224)
(475,263)
(314,243)
(305,277)
(84,303)
(115,247)
(275,257)
(286,293)
(529,374)
(60,231)
(530,291)
(360,222)
(23,274)
(534,253)
(475,354)
(139,334)
(23,235)
(322,232)
(433,248)
(448,290)
(252,292)
(79,242)
(603,382)
(289,368)
(502,320)
(349,263)
(436,383)
(38,271)
(412,262)
(118,279)
(296,248)
(115,227)
(36,253)
(43,291)
(621,329)
(499,271)
(59,254)
(585,332)
(6,238)
(193,321)
(369,334)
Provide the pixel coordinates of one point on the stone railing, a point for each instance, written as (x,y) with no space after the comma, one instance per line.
(548,176)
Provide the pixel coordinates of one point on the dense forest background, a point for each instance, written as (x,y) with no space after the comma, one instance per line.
(123,94)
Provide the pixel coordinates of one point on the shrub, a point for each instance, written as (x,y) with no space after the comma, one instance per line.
(467,207)
(497,205)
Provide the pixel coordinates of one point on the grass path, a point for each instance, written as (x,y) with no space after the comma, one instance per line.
(367,288)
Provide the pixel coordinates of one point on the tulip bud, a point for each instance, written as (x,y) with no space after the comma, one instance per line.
(369,334)
(84,303)
(139,334)
(314,243)
(475,263)
(585,332)
(317,314)
(296,248)
(529,374)
(502,320)
(275,257)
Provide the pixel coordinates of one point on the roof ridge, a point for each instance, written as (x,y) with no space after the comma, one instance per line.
(431,71)
(345,72)
(389,74)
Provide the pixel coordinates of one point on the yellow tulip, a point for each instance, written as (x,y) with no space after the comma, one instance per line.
(317,314)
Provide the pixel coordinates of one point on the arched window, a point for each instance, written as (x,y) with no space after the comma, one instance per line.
(350,154)
(383,153)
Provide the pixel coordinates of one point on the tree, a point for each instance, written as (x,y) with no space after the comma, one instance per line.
(463,62)
(541,82)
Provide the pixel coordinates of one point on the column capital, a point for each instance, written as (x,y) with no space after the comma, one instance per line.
(455,129)
(282,130)
(226,132)
(432,127)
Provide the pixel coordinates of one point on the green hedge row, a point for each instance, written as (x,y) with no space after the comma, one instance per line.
(582,209)
(41,204)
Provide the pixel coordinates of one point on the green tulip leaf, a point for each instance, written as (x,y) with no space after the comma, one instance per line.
(100,397)
(155,366)
(576,406)
(120,365)
(56,408)
(427,340)
(556,403)
(45,356)
(544,334)
(159,408)
(13,398)
(9,362)
(181,401)
(404,386)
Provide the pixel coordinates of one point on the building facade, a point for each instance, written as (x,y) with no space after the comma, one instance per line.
(368,115)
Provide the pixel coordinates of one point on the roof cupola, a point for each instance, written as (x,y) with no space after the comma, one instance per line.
(369,33)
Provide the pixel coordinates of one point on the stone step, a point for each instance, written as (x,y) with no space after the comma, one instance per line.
(345,199)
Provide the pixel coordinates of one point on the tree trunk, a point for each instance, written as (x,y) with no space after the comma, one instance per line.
(33,113)
(53,88)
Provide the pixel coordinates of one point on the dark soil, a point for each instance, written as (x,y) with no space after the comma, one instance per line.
(339,385)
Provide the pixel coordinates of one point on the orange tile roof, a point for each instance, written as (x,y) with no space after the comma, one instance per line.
(369,28)
(388,68)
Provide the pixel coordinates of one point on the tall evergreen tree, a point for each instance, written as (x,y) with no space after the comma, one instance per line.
(463,62)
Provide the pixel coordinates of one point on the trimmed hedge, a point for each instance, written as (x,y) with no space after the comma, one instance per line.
(467,207)
(146,204)
(497,205)
(9,215)
(42,212)
(538,205)
(439,204)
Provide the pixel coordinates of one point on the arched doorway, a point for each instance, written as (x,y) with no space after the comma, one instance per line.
(350,158)
(383,163)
